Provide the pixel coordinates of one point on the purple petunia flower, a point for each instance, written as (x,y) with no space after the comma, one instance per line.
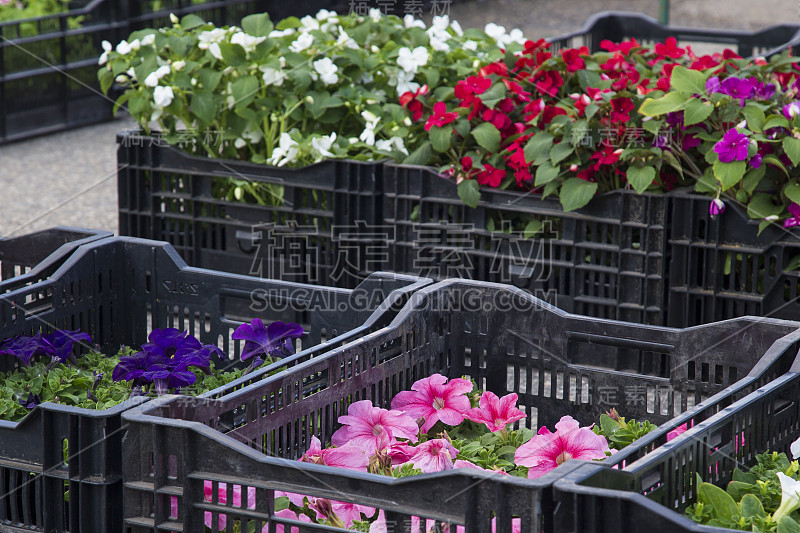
(794,220)
(25,347)
(763,91)
(732,147)
(713,85)
(791,110)
(31,401)
(755,161)
(62,341)
(273,340)
(690,141)
(165,377)
(738,88)
(717,207)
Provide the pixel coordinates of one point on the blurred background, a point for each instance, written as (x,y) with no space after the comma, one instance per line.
(70,178)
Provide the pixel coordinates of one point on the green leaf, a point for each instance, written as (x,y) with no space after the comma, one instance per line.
(288,22)
(545,173)
(576,193)
(440,137)
(538,145)
(533,227)
(729,174)
(764,225)
(666,104)
(494,95)
(744,477)
(687,81)
(752,178)
(761,207)
(257,25)
(420,156)
(203,107)
(788,525)
(550,188)
(106,80)
(751,507)
(244,90)
(281,503)
(487,136)
(469,192)
(696,111)
(776,121)
(794,264)
(191,21)
(233,54)
(772,160)
(792,148)
(641,177)
(209,78)
(755,117)
(609,426)
(792,192)
(722,503)
(560,152)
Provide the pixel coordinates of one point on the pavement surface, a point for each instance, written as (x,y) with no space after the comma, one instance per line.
(70,178)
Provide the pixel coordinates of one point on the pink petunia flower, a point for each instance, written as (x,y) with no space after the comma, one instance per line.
(496,412)
(364,423)
(460,463)
(430,526)
(222,497)
(434,399)
(434,455)
(547,450)
(680,430)
(346,456)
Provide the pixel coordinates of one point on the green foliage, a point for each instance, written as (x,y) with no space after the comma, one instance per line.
(619,432)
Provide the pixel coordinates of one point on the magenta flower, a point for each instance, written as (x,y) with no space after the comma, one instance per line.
(434,455)
(434,399)
(547,450)
(364,426)
(713,85)
(791,110)
(732,146)
(460,463)
(496,412)
(680,430)
(348,513)
(717,207)
(222,497)
(738,88)
(347,456)
(794,220)
(275,340)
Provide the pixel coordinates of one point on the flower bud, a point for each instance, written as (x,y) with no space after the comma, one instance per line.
(238,193)
(179,65)
(573,167)
(717,207)
(310,99)
(174,18)
(771,218)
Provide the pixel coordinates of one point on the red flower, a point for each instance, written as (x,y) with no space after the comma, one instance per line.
(498,118)
(621,109)
(730,54)
(607,156)
(626,78)
(497,67)
(521,94)
(466,90)
(491,176)
(548,82)
(516,159)
(532,109)
(549,113)
(523,176)
(532,46)
(587,174)
(663,84)
(669,49)
(625,46)
(466,163)
(440,116)
(410,102)
(703,63)
(572,58)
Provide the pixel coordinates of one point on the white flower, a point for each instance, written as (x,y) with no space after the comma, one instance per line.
(215,51)
(273,76)
(206,38)
(163,96)
(125,47)
(286,152)
(470,45)
(174,18)
(345,40)
(107,47)
(457,28)
(516,36)
(366,77)
(322,145)
(302,42)
(375,14)
(253,136)
(248,42)
(790,497)
(148,39)
(368,135)
(327,70)
(795,449)
(324,14)
(277,34)
(410,22)
(179,65)
(152,79)
(309,23)
(410,60)
(498,33)
(404,82)
(439,24)
(131,73)
(391,144)
(438,44)
(122,78)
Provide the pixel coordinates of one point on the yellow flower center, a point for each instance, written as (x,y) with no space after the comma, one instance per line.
(563,456)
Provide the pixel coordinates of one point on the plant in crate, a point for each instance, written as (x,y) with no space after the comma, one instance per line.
(294,93)
(173,361)
(578,124)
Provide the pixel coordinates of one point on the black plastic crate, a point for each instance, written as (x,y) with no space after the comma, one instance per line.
(652,494)
(619,26)
(721,268)
(48,65)
(117,290)
(499,335)
(608,259)
(324,231)
(30,258)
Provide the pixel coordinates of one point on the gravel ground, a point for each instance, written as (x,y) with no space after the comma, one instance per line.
(69,178)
